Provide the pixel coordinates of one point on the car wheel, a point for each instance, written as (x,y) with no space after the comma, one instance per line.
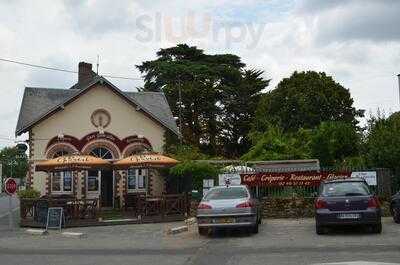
(396,215)
(255,229)
(377,229)
(203,231)
(320,230)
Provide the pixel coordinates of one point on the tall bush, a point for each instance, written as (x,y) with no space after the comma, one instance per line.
(189,175)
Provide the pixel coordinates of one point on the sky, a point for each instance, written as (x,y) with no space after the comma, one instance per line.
(355,41)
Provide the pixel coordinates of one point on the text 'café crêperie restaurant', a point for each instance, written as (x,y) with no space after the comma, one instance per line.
(94,118)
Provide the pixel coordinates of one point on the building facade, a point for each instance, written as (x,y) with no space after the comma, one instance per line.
(96,118)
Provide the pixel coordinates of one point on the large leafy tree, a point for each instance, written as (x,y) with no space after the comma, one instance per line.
(213,91)
(304,100)
(15,162)
(383,142)
(274,144)
(333,142)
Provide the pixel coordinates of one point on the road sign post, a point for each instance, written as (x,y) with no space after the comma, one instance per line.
(10,187)
(1,178)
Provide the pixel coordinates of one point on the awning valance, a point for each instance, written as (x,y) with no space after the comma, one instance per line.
(72,162)
(145,161)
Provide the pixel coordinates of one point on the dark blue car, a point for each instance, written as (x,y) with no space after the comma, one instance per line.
(347,202)
(395,207)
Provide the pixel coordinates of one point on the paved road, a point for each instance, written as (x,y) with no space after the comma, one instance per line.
(279,242)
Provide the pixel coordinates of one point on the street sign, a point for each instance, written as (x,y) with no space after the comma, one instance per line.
(10,186)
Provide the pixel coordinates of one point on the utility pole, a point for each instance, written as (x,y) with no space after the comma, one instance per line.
(97,69)
(398,77)
(180,110)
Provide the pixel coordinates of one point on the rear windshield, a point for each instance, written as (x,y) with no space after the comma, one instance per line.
(226,193)
(345,189)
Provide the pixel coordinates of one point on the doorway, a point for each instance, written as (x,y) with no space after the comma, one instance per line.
(107,188)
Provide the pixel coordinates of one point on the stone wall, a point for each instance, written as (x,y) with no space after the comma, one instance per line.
(298,207)
(291,207)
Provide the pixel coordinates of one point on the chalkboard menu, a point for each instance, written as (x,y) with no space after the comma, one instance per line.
(41,211)
(55,218)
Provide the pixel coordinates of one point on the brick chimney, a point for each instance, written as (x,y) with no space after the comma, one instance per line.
(85,73)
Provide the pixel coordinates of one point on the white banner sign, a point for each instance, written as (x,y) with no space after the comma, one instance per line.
(233,179)
(369,176)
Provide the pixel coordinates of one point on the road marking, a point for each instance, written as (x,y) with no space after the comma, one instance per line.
(6,214)
(357,263)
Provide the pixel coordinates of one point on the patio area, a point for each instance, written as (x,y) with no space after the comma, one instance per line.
(138,208)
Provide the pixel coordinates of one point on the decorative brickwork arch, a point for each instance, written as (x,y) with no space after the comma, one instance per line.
(89,147)
(60,149)
(136,148)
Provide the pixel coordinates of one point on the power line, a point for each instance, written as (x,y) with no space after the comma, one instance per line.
(62,70)
(38,66)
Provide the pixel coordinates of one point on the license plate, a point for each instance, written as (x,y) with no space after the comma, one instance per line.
(225,220)
(348,216)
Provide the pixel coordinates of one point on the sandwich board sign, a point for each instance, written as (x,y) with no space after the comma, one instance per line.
(55,218)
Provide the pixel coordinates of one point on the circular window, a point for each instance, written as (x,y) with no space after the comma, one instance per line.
(100,118)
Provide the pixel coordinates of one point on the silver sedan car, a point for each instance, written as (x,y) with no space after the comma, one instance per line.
(229,207)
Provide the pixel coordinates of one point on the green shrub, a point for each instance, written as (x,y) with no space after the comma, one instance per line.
(28,194)
(189,175)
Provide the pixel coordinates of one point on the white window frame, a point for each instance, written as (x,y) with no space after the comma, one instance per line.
(98,183)
(62,191)
(144,174)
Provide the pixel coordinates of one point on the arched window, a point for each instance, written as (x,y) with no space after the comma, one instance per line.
(135,149)
(61,152)
(101,152)
(60,149)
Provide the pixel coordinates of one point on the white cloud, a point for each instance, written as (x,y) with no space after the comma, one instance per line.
(356,41)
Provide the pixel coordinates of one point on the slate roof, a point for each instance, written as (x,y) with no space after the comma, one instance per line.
(39,102)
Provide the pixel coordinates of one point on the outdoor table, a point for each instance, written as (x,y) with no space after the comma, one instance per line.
(74,207)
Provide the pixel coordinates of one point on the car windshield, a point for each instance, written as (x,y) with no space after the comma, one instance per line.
(226,193)
(345,189)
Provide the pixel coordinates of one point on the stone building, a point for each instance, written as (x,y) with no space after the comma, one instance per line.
(94,117)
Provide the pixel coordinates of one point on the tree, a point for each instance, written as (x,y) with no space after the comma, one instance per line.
(304,100)
(333,142)
(383,142)
(239,106)
(190,174)
(212,88)
(15,162)
(274,144)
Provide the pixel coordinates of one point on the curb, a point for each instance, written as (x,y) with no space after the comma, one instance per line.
(36,232)
(178,230)
(73,234)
